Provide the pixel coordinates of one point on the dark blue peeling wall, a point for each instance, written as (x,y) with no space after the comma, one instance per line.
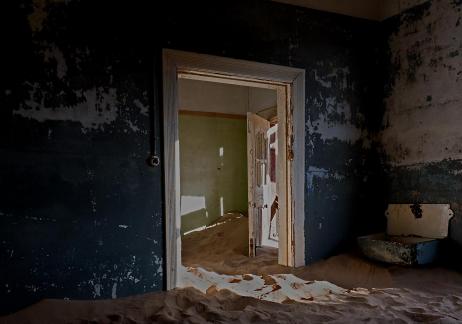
(81,211)
(422,136)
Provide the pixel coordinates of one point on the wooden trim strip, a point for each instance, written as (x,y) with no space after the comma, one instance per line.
(228,79)
(210,114)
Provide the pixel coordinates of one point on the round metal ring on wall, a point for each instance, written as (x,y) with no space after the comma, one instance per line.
(153,160)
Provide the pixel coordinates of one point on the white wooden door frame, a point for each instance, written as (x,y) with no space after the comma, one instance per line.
(290,86)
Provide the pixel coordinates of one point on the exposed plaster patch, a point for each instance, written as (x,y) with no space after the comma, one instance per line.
(132,126)
(334,117)
(97,291)
(315,172)
(40,219)
(105,280)
(144,109)
(457,172)
(324,83)
(158,261)
(93,205)
(340,128)
(338,78)
(114,290)
(52,52)
(98,108)
(32,288)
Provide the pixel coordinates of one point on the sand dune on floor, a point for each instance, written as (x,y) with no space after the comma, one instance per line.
(279,288)
(223,306)
(342,289)
(223,248)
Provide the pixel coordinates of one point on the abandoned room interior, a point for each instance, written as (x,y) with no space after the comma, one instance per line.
(227,124)
(289,161)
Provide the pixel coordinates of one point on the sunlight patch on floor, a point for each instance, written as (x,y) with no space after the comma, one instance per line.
(218,223)
(279,288)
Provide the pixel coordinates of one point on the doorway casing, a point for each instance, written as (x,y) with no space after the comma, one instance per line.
(289,84)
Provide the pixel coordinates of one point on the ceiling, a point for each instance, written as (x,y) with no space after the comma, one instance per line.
(215,97)
(368,9)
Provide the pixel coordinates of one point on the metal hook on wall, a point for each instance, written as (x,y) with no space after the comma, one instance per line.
(153,160)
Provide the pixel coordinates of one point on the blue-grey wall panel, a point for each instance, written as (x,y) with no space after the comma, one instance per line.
(80,210)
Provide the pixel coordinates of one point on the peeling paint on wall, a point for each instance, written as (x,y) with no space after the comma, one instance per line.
(330,128)
(97,107)
(423,110)
(422,136)
(76,127)
(144,109)
(314,172)
(54,53)
(334,118)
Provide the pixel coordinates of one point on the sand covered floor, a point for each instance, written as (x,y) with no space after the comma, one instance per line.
(191,306)
(222,248)
(230,288)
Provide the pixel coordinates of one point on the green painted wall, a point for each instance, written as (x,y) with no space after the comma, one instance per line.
(213,166)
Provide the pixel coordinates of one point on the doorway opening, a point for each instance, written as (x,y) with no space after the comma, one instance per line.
(198,177)
(228,163)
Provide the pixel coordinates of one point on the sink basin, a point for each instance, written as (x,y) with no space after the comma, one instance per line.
(404,250)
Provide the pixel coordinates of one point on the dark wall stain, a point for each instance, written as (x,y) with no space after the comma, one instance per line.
(414,59)
(416,13)
(416,210)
